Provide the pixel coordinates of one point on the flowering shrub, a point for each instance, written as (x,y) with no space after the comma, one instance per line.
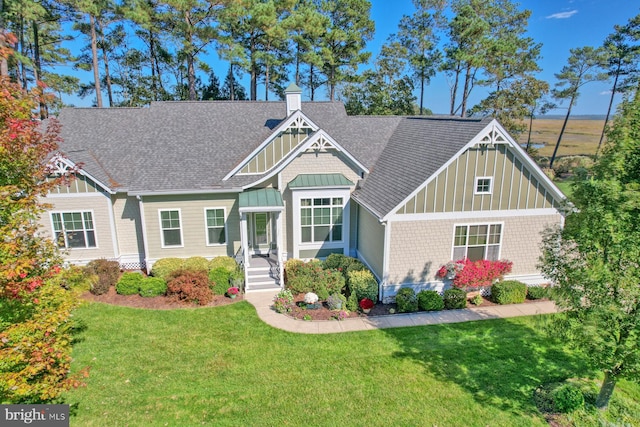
(363,284)
(310,298)
(366,304)
(475,274)
(306,277)
(283,301)
(233,291)
(341,315)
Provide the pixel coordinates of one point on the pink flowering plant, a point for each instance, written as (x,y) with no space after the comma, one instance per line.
(283,301)
(450,269)
(233,291)
(481,273)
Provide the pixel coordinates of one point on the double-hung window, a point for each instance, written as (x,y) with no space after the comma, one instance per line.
(170,227)
(321,219)
(214,218)
(74,229)
(477,242)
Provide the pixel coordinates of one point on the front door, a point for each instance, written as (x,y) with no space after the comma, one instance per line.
(261,232)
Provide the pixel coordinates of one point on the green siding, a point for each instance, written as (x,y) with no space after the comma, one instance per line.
(371,240)
(276,150)
(81,184)
(319,253)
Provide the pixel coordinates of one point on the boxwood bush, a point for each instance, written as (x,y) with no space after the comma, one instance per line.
(129,283)
(509,292)
(152,287)
(196,263)
(536,292)
(406,300)
(163,267)
(219,278)
(363,284)
(223,261)
(454,299)
(430,301)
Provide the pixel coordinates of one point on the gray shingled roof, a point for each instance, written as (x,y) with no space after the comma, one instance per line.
(190,146)
(416,150)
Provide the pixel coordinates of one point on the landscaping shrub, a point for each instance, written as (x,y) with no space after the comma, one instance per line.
(152,287)
(536,292)
(237,278)
(509,292)
(337,301)
(223,261)
(336,261)
(129,283)
(163,267)
(352,302)
(481,273)
(283,301)
(306,277)
(406,300)
(190,286)
(430,301)
(74,277)
(363,284)
(567,398)
(196,263)
(219,278)
(108,273)
(454,299)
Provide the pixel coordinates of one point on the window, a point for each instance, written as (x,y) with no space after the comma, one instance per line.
(74,229)
(170,226)
(214,219)
(477,242)
(321,219)
(483,185)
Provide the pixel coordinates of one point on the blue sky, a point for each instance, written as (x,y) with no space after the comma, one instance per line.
(558,24)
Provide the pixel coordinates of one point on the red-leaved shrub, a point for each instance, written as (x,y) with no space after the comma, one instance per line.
(478,274)
(190,286)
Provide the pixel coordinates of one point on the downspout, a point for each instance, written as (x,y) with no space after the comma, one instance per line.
(143,226)
(385,258)
(114,235)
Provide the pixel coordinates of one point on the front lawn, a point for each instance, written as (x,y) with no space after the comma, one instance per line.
(222,366)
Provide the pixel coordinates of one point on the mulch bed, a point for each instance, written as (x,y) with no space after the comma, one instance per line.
(153,303)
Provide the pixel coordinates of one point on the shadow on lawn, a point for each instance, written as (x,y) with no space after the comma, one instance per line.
(500,362)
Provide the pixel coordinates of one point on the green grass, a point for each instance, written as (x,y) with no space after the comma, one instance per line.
(565,187)
(224,367)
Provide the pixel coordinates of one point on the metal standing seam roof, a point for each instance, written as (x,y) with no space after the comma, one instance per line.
(320,180)
(261,198)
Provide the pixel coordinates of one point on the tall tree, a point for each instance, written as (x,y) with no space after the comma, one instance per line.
(593,261)
(350,28)
(623,61)
(231,88)
(584,66)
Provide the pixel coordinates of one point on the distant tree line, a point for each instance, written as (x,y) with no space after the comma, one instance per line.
(148,50)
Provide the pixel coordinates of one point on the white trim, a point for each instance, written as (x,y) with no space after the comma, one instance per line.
(261,209)
(143,226)
(58,157)
(365,262)
(76,195)
(471,224)
(474,215)
(162,245)
(114,235)
(385,259)
(520,154)
(81,212)
(184,192)
(302,148)
(224,226)
(475,186)
(281,128)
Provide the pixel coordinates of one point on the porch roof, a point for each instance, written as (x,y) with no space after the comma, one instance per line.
(263,199)
(320,180)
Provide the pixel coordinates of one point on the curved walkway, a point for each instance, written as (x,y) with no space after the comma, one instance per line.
(262,301)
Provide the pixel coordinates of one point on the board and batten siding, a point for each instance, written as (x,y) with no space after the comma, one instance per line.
(192,223)
(126,210)
(276,150)
(370,240)
(418,249)
(80,184)
(452,190)
(311,162)
(99,205)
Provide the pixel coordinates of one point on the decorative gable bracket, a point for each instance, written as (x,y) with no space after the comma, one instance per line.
(492,137)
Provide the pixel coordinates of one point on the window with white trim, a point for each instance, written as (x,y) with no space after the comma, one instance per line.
(321,219)
(477,242)
(170,227)
(483,185)
(214,220)
(74,229)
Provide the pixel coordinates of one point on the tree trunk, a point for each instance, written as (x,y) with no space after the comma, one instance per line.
(454,91)
(311,85)
(232,86)
(191,69)
(106,66)
(422,94)
(37,70)
(332,85)
(606,390)
(4,65)
(153,59)
(298,64)
(606,119)
(465,92)
(94,57)
(530,127)
(22,72)
(564,126)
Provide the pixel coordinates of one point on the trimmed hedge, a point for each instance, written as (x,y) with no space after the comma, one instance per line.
(163,267)
(509,292)
(152,287)
(219,278)
(454,299)
(536,292)
(129,283)
(196,263)
(430,301)
(406,300)
(363,284)
(223,261)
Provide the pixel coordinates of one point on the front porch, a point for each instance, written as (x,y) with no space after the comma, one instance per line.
(261,231)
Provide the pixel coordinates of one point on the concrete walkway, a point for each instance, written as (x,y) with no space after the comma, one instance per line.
(263,301)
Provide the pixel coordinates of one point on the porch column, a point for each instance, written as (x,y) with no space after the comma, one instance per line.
(280,244)
(244,234)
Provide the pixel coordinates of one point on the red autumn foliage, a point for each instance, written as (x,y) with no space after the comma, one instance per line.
(481,273)
(190,286)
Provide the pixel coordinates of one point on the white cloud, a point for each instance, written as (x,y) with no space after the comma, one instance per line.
(563,15)
(605,92)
